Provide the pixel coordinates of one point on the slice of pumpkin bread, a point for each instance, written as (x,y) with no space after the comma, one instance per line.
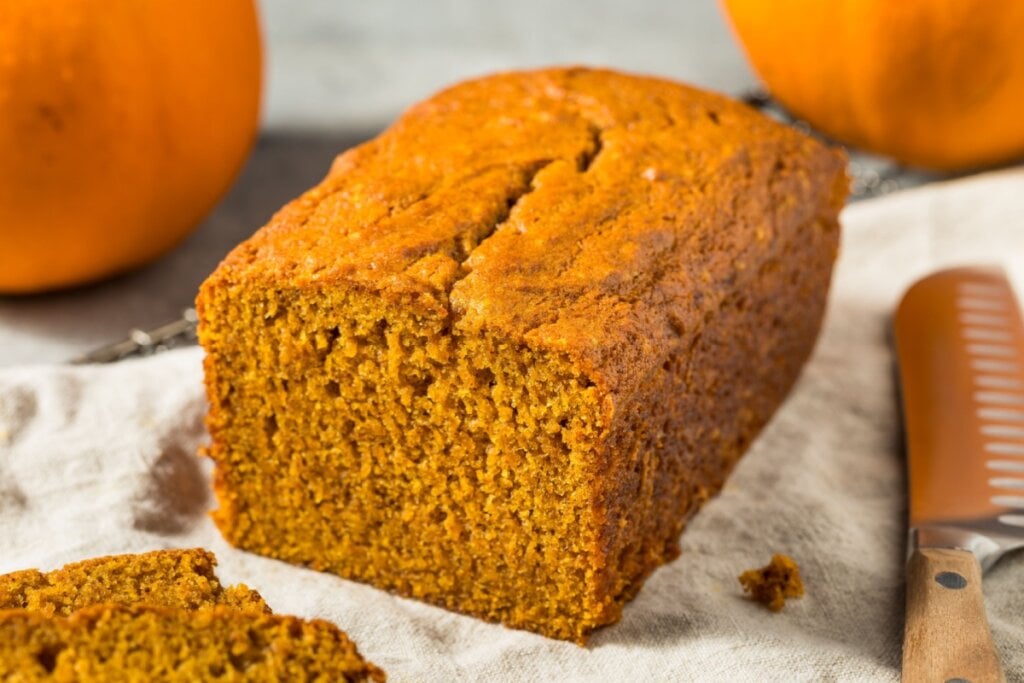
(172,578)
(503,351)
(148,643)
(161,615)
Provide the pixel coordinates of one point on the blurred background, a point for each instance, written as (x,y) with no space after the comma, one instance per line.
(336,73)
(357,65)
(118,128)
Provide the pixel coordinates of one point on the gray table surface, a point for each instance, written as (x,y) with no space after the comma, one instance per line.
(337,73)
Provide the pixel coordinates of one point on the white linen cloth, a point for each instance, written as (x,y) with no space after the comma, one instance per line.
(100,460)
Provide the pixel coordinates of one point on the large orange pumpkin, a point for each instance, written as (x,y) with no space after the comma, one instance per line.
(121,124)
(934,83)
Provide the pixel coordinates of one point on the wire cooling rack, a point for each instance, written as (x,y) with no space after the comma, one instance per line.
(871,176)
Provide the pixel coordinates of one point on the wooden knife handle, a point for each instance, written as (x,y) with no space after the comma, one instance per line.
(946,636)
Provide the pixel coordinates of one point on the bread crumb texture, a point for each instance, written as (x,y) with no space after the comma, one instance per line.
(772,584)
(172,578)
(147,643)
(503,351)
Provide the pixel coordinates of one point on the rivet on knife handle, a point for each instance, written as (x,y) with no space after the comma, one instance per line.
(960,344)
(946,636)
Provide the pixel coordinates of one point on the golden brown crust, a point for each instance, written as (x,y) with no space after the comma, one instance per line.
(620,263)
(502,352)
(636,201)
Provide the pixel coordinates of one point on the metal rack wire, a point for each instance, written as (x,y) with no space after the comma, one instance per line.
(871,176)
(180,332)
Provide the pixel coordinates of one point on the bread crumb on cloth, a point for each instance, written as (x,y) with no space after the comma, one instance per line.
(772,584)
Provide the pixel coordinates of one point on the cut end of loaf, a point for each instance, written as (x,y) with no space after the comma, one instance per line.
(389,449)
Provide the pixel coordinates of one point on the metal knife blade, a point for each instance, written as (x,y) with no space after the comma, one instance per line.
(960,344)
(960,341)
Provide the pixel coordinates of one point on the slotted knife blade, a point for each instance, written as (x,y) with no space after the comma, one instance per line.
(960,346)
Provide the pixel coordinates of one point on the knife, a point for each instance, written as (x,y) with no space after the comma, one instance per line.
(960,345)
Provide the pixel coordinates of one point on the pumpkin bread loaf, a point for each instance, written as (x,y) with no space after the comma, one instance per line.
(147,643)
(171,578)
(502,352)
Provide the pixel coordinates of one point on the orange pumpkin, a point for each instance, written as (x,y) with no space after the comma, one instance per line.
(121,125)
(934,83)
